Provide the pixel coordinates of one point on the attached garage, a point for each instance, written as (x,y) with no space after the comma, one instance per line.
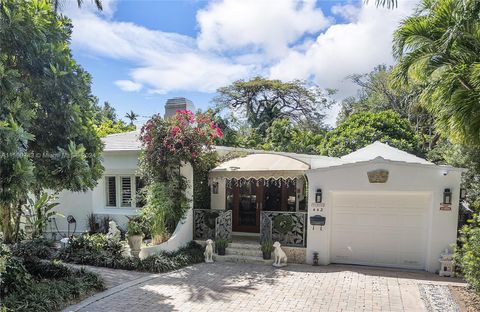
(382,207)
(381,229)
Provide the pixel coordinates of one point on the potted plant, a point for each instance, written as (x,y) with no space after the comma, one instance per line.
(267,248)
(134,236)
(221,244)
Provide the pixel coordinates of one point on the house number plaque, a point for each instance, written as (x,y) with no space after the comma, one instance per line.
(445,207)
(378,176)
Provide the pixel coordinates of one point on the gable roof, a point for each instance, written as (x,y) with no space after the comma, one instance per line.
(385,151)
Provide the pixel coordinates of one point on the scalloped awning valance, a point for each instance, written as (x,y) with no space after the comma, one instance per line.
(260,166)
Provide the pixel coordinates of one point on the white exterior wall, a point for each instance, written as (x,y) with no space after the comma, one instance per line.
(218,201)
(81,204)
(442,227)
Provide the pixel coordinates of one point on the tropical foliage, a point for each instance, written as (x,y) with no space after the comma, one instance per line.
(283,136)
(28,283)
(38,212)
(362,129)
(438,51)
(97,250)
(108,126)
(46,110)
(169,143)
(468,252)
(262,101)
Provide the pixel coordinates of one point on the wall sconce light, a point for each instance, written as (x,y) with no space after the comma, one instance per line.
(215,188)
(463,194)
(318,196)
(447,196)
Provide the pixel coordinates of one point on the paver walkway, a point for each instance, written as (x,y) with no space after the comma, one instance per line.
(244,287)
(113,277)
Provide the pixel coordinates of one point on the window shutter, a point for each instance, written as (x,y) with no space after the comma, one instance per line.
(126,183)
(111,192)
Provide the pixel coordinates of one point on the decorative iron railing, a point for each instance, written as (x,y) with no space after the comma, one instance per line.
(212,224)
(289,228)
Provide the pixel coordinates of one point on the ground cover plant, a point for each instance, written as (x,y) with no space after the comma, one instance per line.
(97,250)
(29,283)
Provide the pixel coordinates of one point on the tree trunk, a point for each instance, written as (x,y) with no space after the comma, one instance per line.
(17,222)
(6,223)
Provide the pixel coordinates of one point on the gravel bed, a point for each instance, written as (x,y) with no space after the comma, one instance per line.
(437,298)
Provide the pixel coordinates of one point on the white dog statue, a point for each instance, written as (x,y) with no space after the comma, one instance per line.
(113,231)
(280,256)
(209,251)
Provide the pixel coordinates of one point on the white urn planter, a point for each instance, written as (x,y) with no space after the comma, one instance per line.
(135,244)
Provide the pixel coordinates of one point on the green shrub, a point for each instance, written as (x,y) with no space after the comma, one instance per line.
(221,243)
(28,283)
(467,255)
(40,248)
(134,226)
(267,246)
(55,294)
(49,269)
(77,252)
(93,249)
(13,274)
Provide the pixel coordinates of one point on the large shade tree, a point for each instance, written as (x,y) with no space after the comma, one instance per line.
(377,92)
(261,101)
(46,109)
(364,128)
(438,50)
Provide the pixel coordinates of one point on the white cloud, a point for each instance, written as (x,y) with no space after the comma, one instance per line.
(128,85)
(160,61)
(364,41)
(265,25)
(284,39)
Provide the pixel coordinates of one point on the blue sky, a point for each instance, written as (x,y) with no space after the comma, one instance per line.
(142,52)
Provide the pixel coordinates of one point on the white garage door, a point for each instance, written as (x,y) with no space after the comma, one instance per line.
(380,229)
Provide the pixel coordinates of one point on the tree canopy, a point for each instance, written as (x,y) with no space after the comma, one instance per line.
(261,101)
(364,128)
(47,110)
(438,51)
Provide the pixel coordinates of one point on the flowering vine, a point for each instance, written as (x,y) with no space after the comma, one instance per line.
(182,138)
(167,144)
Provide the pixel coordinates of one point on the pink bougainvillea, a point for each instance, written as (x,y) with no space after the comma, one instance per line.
(183,138)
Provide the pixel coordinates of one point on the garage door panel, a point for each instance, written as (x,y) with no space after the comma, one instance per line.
(379,229)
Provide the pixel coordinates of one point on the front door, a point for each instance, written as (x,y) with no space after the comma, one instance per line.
(247,204)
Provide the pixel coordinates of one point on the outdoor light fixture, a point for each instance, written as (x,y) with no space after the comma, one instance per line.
(447,196)
(463,194)
(318,196)
(215,188)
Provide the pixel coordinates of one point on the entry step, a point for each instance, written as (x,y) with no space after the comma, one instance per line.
(242,259)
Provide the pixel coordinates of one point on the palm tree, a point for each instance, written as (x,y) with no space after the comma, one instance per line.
(391,4)
(438,50)
(57,4)
(132,116)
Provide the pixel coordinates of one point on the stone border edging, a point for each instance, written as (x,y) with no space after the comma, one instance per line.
(109,292)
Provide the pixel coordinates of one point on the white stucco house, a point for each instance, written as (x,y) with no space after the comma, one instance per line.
(377,206)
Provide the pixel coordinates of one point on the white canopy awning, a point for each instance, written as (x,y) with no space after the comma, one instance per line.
(258,166)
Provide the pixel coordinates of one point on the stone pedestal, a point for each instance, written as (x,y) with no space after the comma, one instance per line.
(447,267)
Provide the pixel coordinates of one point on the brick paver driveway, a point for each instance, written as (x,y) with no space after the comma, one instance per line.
(243,287)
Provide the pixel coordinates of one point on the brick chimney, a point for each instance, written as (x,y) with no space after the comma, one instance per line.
(176,103)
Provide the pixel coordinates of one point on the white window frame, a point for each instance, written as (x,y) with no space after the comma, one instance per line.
(118,191)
